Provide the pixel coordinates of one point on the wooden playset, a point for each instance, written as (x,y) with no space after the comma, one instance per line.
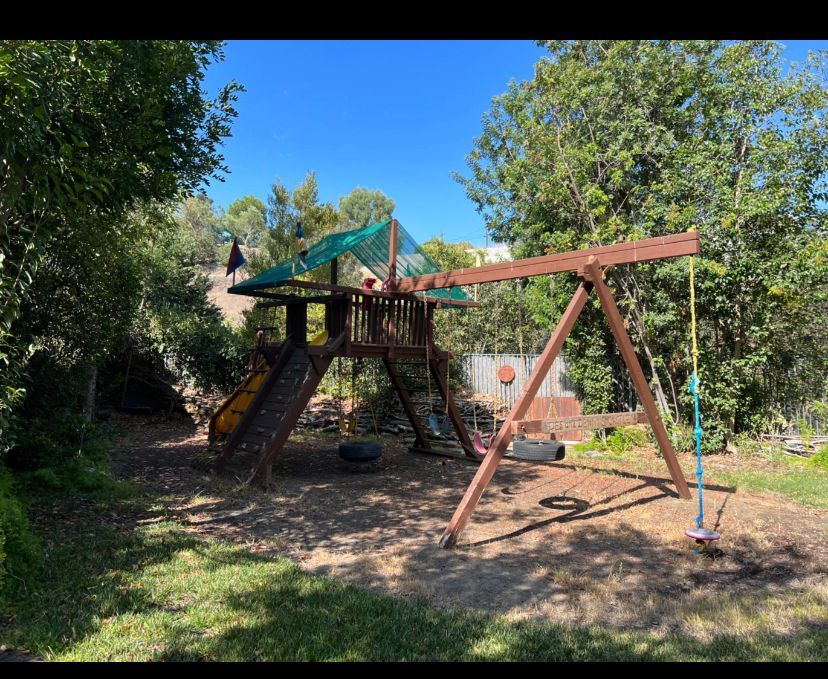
(396,325)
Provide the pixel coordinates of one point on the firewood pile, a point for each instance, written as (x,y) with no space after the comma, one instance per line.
(798,445)
(322,414)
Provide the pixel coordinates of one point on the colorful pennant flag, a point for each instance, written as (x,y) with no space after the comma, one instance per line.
(236,258)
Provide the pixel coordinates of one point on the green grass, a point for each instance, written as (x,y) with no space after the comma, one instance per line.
(803,484)
(801,480)
(118,588)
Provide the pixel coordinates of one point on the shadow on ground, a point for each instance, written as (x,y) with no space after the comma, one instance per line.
(127,591)
(569,541)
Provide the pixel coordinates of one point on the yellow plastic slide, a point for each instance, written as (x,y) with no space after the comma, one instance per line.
(226,422)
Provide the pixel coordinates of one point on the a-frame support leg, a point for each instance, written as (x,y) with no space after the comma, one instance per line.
(504,436)
(592,272)
(408,406)
(440,377)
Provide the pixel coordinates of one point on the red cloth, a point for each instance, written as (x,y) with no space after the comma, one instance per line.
(367,284)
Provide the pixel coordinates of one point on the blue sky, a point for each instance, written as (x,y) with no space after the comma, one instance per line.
(399,116)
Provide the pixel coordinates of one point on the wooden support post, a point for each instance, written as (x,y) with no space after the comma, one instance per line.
(440,377)
(331,317)
(392,255)
(296,323)
(349,308)
(498,447)
(592,272)
(408,406)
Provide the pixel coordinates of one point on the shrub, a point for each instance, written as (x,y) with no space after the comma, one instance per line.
(19,550)
(57,441)
(624,439)
(683,438)
(820,458)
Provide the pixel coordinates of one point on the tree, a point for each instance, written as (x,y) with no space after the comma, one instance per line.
(284,209)
(87,130)
(501,324)
(205,226)
(632,139)
(246,218)
(175,318)
(363,207)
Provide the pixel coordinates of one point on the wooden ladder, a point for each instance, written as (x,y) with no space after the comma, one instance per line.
(264,413)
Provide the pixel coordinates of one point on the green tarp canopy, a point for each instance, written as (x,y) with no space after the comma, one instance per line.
(370,246)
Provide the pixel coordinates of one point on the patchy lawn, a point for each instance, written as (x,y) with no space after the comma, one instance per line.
(574,561)
(145,589)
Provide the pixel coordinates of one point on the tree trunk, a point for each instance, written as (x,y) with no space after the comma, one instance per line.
(89,396)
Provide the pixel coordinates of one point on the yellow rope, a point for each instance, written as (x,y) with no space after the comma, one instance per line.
(696,391)
(693,313)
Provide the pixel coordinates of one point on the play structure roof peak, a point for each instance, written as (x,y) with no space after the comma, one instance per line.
(369,245)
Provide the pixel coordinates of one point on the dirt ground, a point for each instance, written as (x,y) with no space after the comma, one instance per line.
(586,541)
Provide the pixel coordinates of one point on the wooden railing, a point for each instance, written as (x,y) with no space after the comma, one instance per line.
(369,319)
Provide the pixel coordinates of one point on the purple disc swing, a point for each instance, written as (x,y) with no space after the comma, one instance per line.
(703,536)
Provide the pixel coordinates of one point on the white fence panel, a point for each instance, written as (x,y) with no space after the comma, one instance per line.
(481,371)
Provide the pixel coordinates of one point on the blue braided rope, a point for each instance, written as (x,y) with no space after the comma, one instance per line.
(694,389)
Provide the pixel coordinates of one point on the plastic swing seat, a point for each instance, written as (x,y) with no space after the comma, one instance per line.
(347,426)
(702,534)
(480,447)
(437,427)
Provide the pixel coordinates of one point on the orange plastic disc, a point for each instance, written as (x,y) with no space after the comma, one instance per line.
(506,374)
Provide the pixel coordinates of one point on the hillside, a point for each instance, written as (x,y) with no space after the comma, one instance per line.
(231,306)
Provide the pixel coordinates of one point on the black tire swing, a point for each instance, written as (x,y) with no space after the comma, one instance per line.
(538,450)
(360,451)
(357,451)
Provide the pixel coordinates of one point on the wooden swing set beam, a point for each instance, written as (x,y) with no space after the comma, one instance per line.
(678,245)
(557,425)
(591,278)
